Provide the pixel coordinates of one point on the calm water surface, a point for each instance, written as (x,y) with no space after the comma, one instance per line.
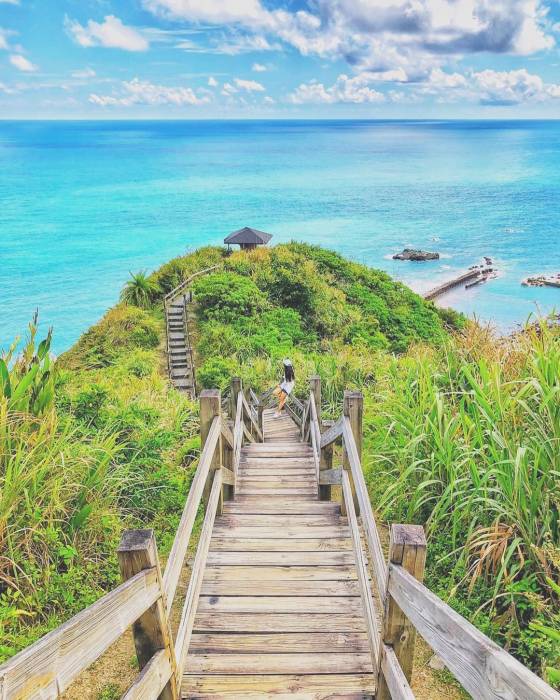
(84,203)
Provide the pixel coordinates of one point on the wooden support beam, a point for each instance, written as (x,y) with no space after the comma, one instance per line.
(210,407)
(353,409)
(315,388)
(408,549)
(137,552)
(236,388)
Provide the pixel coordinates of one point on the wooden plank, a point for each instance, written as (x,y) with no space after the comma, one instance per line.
(267,663)
(281,687)
(368,609)
(283,622)
(180,546)
(272,480)
(228,477)
(257,532)
(344,605)
(342,643)
(227,434)
(332,434)
(251,544)
(152,679)
(330,477)
(281,588)
(46,668)
(368,521)
(277,491)
(280,506)
(393,675)
(259,498)
(280,559)
(281,573)
(195,583)
(485,670)
(303,521)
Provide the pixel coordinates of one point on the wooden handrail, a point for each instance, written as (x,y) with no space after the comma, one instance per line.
(483,668)
(185,283)
(48,667)
(184,531)
(184,632)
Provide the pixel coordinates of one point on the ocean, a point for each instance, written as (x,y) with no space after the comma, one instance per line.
(85,203)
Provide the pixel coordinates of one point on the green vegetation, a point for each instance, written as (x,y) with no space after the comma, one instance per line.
(462,434)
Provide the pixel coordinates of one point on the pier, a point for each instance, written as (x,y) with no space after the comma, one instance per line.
(465,277)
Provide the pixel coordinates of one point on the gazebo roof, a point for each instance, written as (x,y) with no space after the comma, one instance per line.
(248,235)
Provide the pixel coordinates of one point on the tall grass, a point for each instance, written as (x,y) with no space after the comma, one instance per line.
(469,440)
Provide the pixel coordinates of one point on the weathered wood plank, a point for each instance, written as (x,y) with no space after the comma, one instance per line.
(280,506)
(308,531)
(182,537)
(485,670)
(281,687)
(267,663)
(344,605)
(251,544)
(332,434)
(330,477)
(342,643)
(393,675)
(152,679)
(295,521)
(272,480)
(277,491)
(46,668)
(195,583)
(281,573)
(368,608)
(283,622)
(228,477)
(280,559)
(281,588)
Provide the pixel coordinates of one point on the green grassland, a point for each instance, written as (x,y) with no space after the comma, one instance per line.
(462,434)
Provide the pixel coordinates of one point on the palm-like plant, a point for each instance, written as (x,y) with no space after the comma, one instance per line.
(140,290)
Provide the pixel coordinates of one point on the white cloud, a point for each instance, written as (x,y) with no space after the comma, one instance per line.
(22,63)
(513,87)
(212,82)
(111,33)
(143,92)
(84,74)
(345,89)
(259,68)
(10,2)
(249,85)
(269,100)
(228,89)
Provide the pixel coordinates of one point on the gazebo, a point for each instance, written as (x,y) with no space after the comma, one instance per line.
(247,238)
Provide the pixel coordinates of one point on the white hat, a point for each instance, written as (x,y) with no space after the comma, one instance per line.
(287,363)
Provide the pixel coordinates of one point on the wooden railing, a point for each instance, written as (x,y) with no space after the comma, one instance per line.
(47,668)
(179,289)
(404,605)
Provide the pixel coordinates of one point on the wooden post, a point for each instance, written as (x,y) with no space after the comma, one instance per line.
(353,409)
(137,551)
(408,549)
(210,407)
(236,387)
(315,387)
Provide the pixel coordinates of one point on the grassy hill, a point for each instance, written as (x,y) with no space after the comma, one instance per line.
(462,433)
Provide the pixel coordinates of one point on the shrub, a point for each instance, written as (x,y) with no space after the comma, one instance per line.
(225,297)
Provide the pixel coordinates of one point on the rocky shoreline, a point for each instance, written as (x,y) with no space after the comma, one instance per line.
(542,281)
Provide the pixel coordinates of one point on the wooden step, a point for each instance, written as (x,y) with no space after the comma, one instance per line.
(343,643)
(282,558)
(281,573)
(280,687)
(280,506)
(278,622)
(281,588)
(267,663)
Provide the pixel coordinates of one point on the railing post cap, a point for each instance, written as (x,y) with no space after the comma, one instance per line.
(315,378)
(136,540)
(209,393)
(409,535)
(350,394)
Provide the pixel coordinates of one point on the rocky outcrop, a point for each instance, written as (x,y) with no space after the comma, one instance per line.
(416,255)
(542,281)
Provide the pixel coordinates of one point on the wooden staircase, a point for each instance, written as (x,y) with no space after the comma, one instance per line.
(280,612)
(180,362)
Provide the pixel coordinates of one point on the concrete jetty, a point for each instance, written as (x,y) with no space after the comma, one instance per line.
(476,273)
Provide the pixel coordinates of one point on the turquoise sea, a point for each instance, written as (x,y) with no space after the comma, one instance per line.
(84,203)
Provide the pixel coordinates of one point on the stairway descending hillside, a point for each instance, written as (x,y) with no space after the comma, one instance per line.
(280,612)
(181,370)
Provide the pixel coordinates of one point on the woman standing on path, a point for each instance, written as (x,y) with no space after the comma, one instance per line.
(286,386)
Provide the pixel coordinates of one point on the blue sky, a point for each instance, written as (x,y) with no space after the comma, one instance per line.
(136,59)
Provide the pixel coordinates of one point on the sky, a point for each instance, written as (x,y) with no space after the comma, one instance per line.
(284,59)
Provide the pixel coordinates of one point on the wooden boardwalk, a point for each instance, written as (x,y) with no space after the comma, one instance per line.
(280,612)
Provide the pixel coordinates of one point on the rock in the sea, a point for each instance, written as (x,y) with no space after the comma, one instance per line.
(416,255)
